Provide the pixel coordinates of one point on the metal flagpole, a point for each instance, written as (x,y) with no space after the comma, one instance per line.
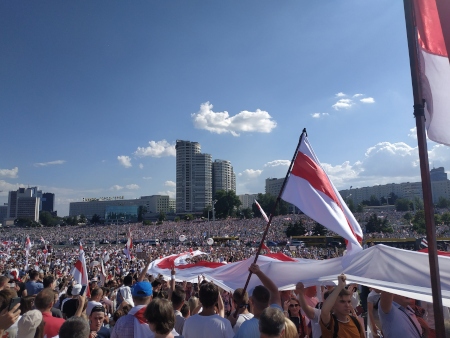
(273,211)
(419,114)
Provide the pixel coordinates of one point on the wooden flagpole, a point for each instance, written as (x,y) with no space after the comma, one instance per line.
(419,114)
(273,211)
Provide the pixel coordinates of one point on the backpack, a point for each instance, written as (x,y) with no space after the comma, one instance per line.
(336,325)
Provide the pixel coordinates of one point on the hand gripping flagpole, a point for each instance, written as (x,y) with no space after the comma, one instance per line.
(272,213)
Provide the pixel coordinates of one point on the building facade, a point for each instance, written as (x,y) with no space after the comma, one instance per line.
(247,200)
(24,203)
(48,202)
(273,186)
(193,178)
(223,177)
(438,174)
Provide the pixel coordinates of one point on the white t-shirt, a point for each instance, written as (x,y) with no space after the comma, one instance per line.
(91,304)
(198,326)
(242,318)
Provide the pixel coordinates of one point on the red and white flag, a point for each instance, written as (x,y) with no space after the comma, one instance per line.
(79,271)
(28,245)
(309,188)
(262,211)
(128,246)
(433,37)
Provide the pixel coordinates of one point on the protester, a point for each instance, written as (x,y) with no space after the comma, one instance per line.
(272,323)
(161,318)
(313,313)
(241,302)
(96,318)
(31,325)
(44,302)
(33,286)
(293,310)
(9,328)
(75,327)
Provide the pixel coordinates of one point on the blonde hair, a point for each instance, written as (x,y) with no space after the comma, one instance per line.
(193,302)
(290,330)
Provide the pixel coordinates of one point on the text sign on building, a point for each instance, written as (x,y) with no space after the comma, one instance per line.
(114,198)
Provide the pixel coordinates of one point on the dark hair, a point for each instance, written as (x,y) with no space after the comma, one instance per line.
(156,283)
(298,310)
(185,310)
(208,294)
(178,296)
(33,274)
(261,297)
(74,327)
(240,298)
(26,304)
(128,280)
(95,292)
(5,298)
(48,281)
(160,313)
(271,321)
(44,299)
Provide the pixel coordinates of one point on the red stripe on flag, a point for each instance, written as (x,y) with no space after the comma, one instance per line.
(306,168)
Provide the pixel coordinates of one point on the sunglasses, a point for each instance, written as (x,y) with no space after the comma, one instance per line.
(294,305)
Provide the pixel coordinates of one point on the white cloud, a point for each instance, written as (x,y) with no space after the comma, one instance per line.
(44,164)
(146,178)
(156,149)
(116,187)
(341,94)
(132,187)
(439,156)
(259,121)
(125,161)
(250,173)
(343,104)
(358,95)
(170,184)
(170,193)
(141,166)
(129,187)
(413,133)
(277,163)
(10,173)
(368,100)
(319,115)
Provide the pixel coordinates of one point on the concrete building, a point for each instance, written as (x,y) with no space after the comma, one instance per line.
(3,213)
(48,202)
(24,203)
(438,174)
(223,177)
(247,200)
(273,186)
(193,178)
(91,207)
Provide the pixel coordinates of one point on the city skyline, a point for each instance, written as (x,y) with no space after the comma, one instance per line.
(95,95)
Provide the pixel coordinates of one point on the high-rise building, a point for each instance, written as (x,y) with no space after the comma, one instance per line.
(24,203)
(48,202)
(223,177)
(194,177)
(273,186)
(438,174)
(247,200)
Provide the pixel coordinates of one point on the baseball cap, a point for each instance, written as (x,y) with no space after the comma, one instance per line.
(76,289)
(28,323)
(142,289)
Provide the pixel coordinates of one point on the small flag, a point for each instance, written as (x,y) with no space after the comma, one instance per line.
(262,212)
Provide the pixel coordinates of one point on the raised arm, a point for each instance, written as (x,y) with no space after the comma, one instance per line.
(267,282)
(328,304)
(386,300)
(300,292)
(143,273)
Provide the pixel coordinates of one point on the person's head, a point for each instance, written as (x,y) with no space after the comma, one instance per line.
(208,295)
(156,285)
(290,330)
(49,282)
(240,298)
(128,280)
(96,294)
(44,300)
(26,304)
(271,323)
(343,304)
(193,302)
(5,297)
(96,318)
(185,312)
(294,307)
(29,325)
(3,282)
(260,297)
(34,275)
(178,297)
(160,316)
(311,291)
(74,327)
(142,293)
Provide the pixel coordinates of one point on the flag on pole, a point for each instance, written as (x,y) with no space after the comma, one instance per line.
(79,271)
(433,39)
(309,188)
(28,245)
(262,211)
(128,246)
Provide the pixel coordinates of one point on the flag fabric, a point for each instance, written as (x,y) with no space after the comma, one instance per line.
(79,271)
(309,188)
(28,245)
(264,247)
(424,242)
(128,246)
(262,211)
(433,42)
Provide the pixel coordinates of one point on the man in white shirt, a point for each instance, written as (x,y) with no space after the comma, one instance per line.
(207,323)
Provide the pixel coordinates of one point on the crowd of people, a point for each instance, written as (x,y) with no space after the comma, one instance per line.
(39,297)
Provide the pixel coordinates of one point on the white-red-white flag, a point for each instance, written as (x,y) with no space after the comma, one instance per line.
(28,245)
(79,271)
(262,212)
(128,246)
(310,189)
(434,43)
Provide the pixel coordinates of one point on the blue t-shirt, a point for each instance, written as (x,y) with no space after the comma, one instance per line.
(250,328)
(33,288)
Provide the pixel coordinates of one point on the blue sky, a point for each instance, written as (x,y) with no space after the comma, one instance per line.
(94,94)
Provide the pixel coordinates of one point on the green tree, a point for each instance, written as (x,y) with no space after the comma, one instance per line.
(46,219)
(177,219)
(319,230)
(351,205)
(147,222)
(418,203)
(82,218)
(95,219)
(247,213)
(402,204)
(418,222)
(446,218)
(443,203)
(378,224)
(437,219)
(142,210)
(392,198)
(188,217)
(227,203)
(360,208)
(162,217)
(296,229)
(408,216)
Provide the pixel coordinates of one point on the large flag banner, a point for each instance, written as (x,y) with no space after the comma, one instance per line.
(79,271)
(434,66)
(309,188)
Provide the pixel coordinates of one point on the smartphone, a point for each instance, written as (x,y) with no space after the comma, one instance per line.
(13,302)
(83,289)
